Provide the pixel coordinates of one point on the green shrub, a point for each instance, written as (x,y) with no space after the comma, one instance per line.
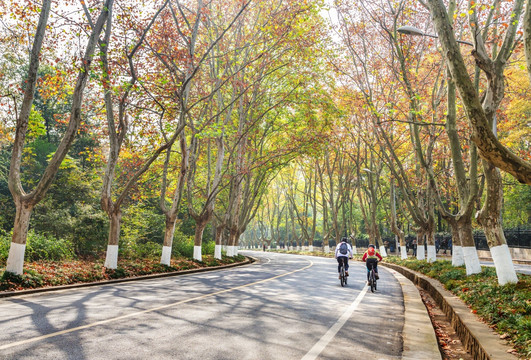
(147,250)
(207,248)
(455,274)
(143,223)
(5,241)
(183,246)
(46,247)
(117,273)
(91,231)
(29,279)
(39,247)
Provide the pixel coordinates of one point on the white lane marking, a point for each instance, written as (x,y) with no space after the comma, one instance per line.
(138,313)
(326,338)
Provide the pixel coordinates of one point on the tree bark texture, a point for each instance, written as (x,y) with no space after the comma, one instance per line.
(488,145)
(490,220)
(527,37)
(15,260)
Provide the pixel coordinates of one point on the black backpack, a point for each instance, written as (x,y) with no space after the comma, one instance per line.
(343,248)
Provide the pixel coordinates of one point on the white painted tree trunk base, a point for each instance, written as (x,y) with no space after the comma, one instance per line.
(111,258)
(290,248)
(165,259)
(432,253)
(298,248)
(458,258)
(354,250)
(15,259)
(197,253)
(471,260)
(503,262)
(421,253)
(217,252)
(232,251)
(403,252)
(382,251)
(310,248)
(327,249)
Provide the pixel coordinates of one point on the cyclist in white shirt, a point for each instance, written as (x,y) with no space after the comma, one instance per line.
(342,254)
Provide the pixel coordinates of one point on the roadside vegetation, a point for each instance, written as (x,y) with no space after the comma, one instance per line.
(505,308)
(50,262)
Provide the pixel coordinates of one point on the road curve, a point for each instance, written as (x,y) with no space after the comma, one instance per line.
(281,307)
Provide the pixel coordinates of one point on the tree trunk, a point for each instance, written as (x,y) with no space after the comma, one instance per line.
(421,253)
(378,240)
(219,240)
(169,231)
(457,249)
(15,259)
(430,226)
(489,219)
(231,243)
(430,237)
(200,226)
(394,223)
(470,253)
(111,259)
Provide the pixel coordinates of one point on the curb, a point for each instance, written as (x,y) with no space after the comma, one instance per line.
(6,294)
(418,335)
(476,336)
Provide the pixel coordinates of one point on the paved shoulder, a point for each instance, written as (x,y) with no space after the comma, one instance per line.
(420,341)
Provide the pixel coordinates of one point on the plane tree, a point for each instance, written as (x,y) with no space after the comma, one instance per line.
(25,200)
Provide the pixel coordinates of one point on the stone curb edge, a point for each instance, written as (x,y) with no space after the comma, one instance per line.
(476,336)
(6,294)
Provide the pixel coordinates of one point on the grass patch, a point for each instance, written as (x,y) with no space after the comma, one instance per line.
(507,308)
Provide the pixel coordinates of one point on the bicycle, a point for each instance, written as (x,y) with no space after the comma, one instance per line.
(372,278)
(342,275)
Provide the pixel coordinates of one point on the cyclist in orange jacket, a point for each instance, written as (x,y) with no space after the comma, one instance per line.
(371,258)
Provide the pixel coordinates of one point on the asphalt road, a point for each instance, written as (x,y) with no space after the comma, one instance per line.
(281,307)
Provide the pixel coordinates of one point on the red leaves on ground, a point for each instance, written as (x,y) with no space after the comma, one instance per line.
(44,274)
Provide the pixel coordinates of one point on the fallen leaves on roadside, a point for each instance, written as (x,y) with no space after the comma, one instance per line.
(54,273)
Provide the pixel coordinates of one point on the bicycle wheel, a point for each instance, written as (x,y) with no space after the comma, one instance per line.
(342,278)
(372,280)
